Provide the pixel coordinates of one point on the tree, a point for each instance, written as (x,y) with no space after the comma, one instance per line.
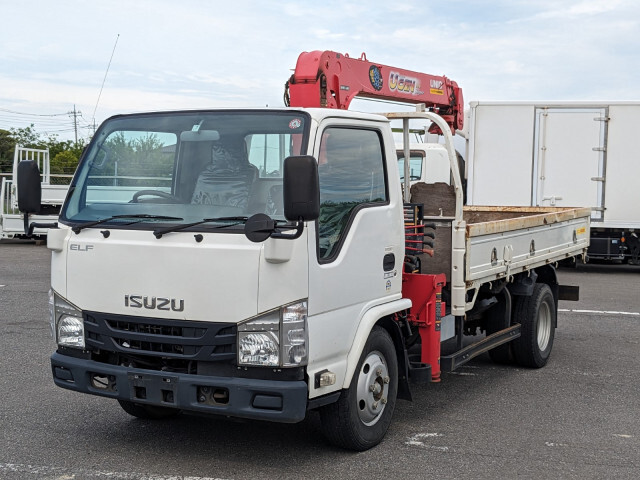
(7,146)
(24,137)
(28,137)
(64,155)
(65,163)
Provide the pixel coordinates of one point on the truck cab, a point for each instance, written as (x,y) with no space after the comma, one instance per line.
(161,298)
(428,163)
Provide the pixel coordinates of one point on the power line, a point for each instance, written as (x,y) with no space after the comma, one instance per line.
(39,121)
(46,125)
(33,114)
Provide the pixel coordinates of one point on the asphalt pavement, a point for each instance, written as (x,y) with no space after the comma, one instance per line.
(579,417)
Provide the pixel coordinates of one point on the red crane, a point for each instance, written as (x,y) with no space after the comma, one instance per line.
(332,80)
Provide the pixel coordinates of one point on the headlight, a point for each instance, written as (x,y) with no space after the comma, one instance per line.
(277,338)
(66,322)
(294,334)
(70,332)
(259,342)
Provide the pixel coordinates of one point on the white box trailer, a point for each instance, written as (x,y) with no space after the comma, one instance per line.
(578,154)
(11,219)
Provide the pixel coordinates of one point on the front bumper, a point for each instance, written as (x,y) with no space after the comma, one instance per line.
(271,400)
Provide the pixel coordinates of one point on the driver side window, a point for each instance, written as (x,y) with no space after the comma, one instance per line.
(352,177)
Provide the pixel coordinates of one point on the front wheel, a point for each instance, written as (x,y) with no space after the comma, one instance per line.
(361,416)
(537,316)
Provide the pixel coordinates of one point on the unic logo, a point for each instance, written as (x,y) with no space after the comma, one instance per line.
(375,77)
(404,84)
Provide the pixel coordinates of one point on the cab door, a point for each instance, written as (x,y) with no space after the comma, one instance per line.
(356,253)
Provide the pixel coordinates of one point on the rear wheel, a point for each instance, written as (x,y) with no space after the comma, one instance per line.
(537,316)
(361,416)
(148,412)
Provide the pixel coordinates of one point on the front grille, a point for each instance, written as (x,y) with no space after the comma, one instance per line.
(152,337)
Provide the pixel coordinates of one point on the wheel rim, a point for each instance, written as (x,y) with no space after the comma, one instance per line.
(544,326)
(373,388)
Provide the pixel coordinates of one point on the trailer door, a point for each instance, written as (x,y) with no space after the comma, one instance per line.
(570,156)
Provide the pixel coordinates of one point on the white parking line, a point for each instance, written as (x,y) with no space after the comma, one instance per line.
(64,473)
(418,440)
(600,312)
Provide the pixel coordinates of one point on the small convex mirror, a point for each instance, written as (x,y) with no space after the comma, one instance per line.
(259,227)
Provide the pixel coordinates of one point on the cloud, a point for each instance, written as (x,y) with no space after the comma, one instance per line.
(197,53)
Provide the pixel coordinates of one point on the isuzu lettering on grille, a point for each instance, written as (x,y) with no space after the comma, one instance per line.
(154,303)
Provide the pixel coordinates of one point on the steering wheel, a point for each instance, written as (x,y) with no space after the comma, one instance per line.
(156,193)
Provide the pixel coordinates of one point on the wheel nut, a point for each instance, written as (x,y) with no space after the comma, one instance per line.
(379,372)
(372,387)
(383,400)
(386,379)
(375,405)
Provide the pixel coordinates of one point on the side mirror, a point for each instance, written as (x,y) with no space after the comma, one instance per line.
(301,190)
(30,195)
(29,188)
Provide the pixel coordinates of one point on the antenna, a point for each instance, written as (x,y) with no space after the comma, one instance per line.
(104,80)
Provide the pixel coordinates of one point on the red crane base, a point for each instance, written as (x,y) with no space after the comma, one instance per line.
(425,293)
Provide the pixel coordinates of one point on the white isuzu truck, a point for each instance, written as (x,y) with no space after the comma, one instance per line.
(51,196)
(262,263)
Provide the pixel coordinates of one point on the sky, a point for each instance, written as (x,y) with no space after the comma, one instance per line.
(186,54)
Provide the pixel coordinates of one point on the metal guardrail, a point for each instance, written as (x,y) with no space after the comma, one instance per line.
(5,192)
(6,181)
(60,179)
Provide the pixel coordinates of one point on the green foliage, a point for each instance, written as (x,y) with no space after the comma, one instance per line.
(131,158)
(7,144)
(65,162)
(28,137)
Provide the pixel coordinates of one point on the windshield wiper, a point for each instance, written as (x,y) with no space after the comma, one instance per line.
(176,228)
(78,228)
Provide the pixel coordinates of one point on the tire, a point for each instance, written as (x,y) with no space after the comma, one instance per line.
(497,319)
(147,412)
(361,416)
(537,317)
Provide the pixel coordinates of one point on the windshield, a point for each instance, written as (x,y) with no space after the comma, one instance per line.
(142,171)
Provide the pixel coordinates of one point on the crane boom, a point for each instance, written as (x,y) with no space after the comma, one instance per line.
(333,80)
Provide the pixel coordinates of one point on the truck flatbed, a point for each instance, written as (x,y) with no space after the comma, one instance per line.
(501,241)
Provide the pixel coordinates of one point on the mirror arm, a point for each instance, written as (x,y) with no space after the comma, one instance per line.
(30,227)
(278,232)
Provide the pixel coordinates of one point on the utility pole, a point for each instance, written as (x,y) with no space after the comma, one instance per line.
(75,120)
